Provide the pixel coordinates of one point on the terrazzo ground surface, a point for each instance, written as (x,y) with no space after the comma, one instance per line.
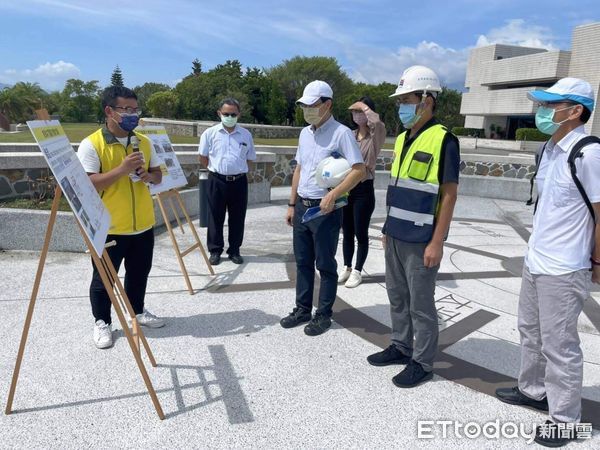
(229,376)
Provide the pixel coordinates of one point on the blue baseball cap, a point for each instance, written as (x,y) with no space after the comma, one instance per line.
(569,89)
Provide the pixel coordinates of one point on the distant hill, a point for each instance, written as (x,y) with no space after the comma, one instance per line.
(2,86)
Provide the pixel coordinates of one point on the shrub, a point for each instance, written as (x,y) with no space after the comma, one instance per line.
(530,134)
(462,131)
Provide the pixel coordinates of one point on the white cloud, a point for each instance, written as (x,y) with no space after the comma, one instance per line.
(450,64)
(517,32)
(50,76)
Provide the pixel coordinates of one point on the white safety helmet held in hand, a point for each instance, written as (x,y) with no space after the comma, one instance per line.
(331,171)
(417,79)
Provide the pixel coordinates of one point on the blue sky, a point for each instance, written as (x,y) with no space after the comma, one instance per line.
(49,41)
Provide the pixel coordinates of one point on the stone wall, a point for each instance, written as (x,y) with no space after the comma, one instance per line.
(494,169)
(19,172)
(196,128)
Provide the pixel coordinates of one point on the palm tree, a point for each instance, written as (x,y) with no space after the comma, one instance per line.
(18,102)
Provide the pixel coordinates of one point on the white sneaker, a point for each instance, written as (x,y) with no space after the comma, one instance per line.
(354,279)
(103,334)
(148,319)
(344,275)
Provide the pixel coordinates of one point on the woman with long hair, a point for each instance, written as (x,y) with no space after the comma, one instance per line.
(370,134)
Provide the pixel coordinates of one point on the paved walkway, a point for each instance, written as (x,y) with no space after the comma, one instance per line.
(230,377)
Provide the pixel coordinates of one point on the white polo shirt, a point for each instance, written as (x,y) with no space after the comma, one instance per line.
(563,230)
(316,145)
(227,153)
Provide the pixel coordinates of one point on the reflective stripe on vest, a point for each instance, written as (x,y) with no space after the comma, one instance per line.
(130,204)
(413,193)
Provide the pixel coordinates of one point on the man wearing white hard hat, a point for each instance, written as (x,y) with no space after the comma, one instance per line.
(420,202)
(316,241)
(562,259)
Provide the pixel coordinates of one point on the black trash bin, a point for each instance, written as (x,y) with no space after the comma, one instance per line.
(203,198)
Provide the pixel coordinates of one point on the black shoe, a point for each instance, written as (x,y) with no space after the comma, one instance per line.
(387,357)
(215,259)
(295,318)
(412,375)
(236,259)
(514,396)
(318,325)
(549,435)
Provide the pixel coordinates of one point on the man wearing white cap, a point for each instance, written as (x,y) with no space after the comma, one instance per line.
(316,242)
(420,202)
(562,260)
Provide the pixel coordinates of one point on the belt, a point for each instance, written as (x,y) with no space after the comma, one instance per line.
(310,202)
(227,177)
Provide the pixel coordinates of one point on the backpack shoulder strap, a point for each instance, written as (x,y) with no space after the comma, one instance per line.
(538,159)
(573,155)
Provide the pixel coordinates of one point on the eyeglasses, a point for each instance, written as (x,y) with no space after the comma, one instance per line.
(128,110)
(229,114)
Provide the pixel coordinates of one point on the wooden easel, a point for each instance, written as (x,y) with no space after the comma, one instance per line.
(167,197)
(118,298)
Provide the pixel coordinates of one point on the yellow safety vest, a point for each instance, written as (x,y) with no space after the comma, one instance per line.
(129,203)
(413,192)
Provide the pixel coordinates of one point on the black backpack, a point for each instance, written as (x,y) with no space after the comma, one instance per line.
(575,153)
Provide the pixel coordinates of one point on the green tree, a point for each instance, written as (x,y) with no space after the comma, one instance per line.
(19,102)
(448,108)
(196,67)
(293,74)
(195,98)
(144,92)
(80,101)
(200,95)
(163,104)
(116,79)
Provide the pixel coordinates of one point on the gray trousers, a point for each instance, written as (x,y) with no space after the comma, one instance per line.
(410,288)
(551,358)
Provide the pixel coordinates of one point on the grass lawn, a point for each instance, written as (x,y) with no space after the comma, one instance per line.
(76,132)
(27,203)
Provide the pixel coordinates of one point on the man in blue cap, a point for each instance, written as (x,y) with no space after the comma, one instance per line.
(562,260)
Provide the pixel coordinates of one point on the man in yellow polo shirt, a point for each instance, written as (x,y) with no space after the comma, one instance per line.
(120,164)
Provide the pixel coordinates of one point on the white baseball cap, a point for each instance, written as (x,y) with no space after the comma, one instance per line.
(314,91)
(570,89)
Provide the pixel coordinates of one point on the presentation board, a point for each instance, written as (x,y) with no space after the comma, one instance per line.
(73,181)
(173,176)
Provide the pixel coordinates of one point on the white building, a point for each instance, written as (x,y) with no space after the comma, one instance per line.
(499,76)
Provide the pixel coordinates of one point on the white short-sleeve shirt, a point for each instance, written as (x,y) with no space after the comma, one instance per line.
(90,160)
(228,153)
(316,145)
(563,230)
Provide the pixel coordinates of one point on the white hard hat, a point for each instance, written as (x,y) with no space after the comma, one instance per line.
(331,171)
(416,79)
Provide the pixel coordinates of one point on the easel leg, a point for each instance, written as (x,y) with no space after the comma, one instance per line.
(159,199)
(123,299)
(196,237)
(172,203)
(32,300)
(100,265)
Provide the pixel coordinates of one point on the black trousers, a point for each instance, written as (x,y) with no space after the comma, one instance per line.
(356,218)
(315,243)
(231,197)
(137,251)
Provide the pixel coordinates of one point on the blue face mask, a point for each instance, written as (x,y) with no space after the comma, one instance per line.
(408,114)
(544,119)
(129,122)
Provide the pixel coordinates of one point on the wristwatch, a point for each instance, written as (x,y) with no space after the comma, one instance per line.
(291,205)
